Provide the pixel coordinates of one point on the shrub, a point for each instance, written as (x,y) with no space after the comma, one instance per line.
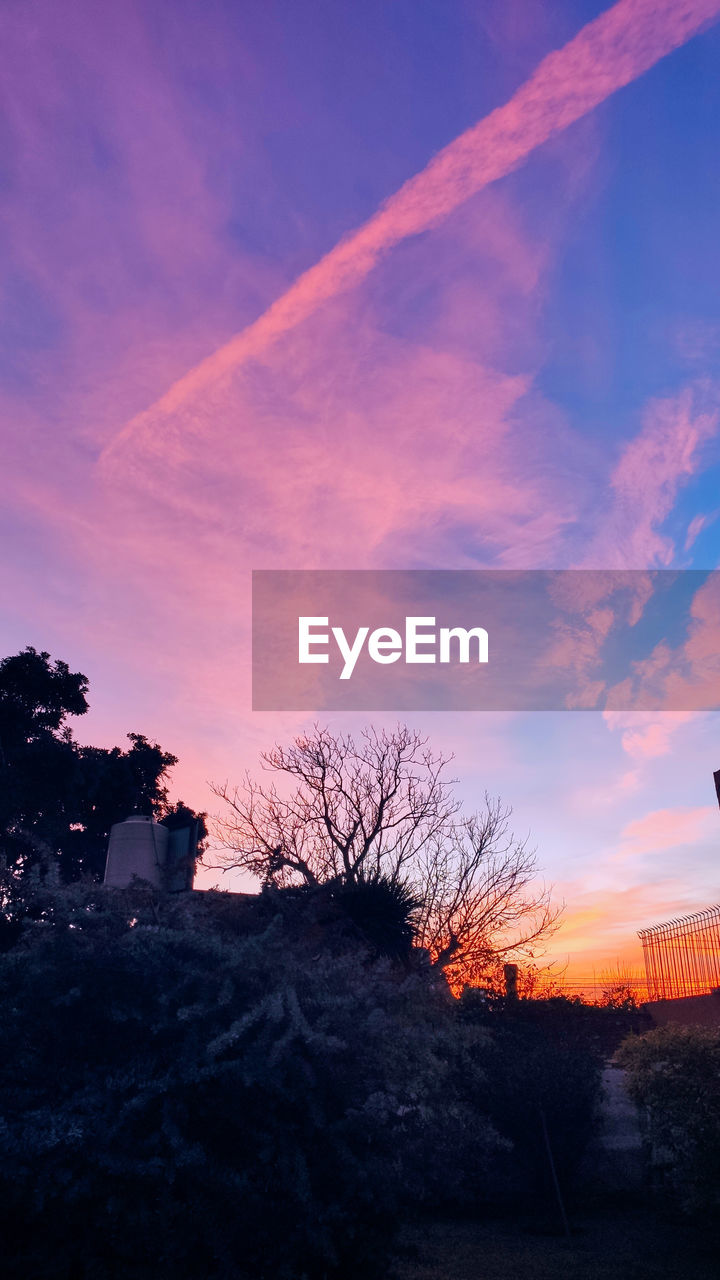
(673,1073)
(184,1098)
(543,1068)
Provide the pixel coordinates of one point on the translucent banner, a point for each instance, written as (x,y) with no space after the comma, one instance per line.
(486,640)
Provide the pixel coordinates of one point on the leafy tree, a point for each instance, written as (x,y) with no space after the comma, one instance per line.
(36,697)
(37,753)
(58,800)
(357,812)
(107,785)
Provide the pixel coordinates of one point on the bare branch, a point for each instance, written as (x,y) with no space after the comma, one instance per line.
(355,810)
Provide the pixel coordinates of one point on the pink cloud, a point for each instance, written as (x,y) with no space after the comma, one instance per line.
(645,735)
(593,604)
(114,217)
(344,447)
(646,479)
(643,490)
(608,53)
(685,676)
(601,794)
(646,744)
(667,829)
(695,528)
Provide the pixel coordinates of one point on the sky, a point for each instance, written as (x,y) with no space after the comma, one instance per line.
(318,284)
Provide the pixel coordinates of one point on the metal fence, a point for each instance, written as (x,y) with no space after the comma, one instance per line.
(606,990)
(682,956)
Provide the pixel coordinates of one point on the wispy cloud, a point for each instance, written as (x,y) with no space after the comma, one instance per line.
(647,477)
(607,54)
(641,493)
(685,675)
(645,736)
(697,525)
(666,829)
(613,916)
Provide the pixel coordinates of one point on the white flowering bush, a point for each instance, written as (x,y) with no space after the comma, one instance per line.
(185,1097)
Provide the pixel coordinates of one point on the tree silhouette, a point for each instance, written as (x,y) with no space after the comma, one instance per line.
(58,800)
(380,809)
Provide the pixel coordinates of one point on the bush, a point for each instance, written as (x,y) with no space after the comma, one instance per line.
(673,1073)
(543,1069)
(184,1097)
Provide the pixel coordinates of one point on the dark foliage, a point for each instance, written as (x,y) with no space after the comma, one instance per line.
(58,800)
(36,697)
(599,1027)
(376,916)
(384,911)
(186,1098)
(543,1070)
(673,1073)
(378,809)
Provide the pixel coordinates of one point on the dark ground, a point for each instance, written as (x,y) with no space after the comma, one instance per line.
(608,1243)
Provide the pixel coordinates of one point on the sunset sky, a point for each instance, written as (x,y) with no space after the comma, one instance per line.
(511,362)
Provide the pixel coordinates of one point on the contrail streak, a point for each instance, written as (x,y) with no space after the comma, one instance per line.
(609,52)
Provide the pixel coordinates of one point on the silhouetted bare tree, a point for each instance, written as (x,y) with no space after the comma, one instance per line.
(380,807)
(358,809)
(481,899)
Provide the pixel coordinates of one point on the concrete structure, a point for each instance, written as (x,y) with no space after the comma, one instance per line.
(137,847)
(687,1011)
